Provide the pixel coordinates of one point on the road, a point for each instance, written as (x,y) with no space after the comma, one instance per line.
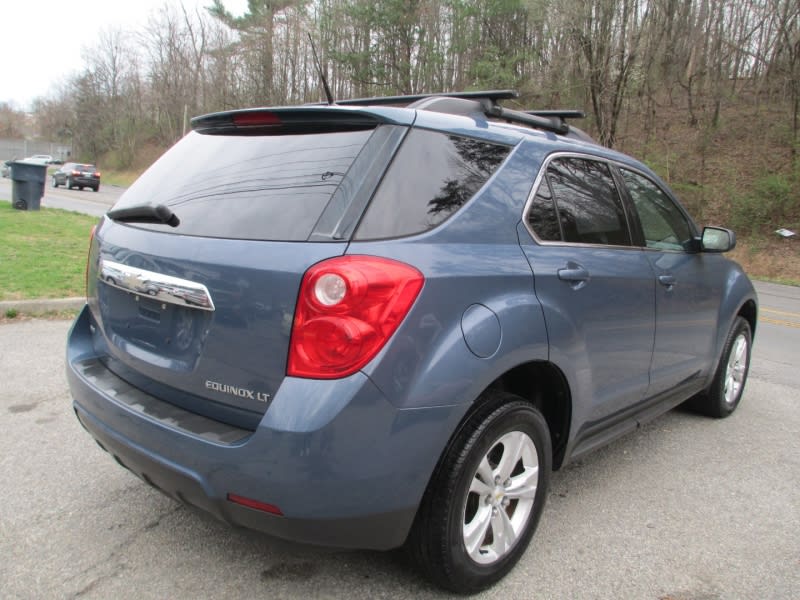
(686,508)
(84,201)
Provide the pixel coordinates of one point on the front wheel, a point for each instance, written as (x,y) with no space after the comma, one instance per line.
(726,390)
(485,498)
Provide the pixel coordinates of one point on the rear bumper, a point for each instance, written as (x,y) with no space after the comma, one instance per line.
(343,465)
(81,180)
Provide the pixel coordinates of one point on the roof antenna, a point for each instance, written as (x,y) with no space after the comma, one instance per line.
(319,70)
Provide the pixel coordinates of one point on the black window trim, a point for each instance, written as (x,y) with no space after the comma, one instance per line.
(622,195)
(349,217)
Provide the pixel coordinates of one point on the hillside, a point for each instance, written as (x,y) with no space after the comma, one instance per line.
(738,174)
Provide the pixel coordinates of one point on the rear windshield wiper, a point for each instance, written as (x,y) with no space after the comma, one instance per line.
(145,213)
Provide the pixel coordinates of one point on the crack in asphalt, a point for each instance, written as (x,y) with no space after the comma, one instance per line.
(118,549)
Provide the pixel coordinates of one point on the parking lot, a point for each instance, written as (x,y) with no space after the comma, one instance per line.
(686,508)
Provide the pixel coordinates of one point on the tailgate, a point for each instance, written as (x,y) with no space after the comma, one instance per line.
(210,328)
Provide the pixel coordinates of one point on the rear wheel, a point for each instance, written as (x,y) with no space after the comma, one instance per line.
(96,188)
(55,181)
(68,183)
(726,390)
(485,499)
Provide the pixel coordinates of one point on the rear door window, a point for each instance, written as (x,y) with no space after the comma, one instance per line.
(589,207)
(431,177)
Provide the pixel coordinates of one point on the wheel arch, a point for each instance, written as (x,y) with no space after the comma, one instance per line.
(749,312)
(739,300)
(542,384)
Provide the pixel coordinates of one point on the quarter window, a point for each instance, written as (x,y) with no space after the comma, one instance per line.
(431,177)
(664,225)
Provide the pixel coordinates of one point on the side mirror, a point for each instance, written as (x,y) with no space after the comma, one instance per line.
(718,239)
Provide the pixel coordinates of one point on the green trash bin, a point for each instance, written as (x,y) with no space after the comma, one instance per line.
(27,184)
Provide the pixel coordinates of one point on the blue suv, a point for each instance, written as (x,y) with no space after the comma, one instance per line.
(369,325)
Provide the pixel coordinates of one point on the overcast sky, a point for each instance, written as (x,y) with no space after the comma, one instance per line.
(41,39)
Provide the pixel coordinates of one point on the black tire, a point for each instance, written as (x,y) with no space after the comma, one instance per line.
(437,541)
(96,188)
(68,183)
(726,390)
(55,181)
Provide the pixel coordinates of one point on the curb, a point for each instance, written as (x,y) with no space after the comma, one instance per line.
(42,305)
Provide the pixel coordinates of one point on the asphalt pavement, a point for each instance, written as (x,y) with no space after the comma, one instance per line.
(686,508)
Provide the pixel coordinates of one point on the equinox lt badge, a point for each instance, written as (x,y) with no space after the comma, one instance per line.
(237,391)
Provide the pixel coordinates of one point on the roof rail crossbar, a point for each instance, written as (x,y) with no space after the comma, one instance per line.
(492,109)
(492,95)
(560,114)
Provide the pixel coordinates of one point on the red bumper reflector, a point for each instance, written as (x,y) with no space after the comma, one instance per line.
(255,504)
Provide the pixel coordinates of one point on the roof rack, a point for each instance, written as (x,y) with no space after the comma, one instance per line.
(492,109)
(549,120)
(561,114)
(493,95)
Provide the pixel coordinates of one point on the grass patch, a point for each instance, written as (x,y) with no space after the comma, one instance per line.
(769,258)
(772,200)
(119,178)
(42,253)
(49,315)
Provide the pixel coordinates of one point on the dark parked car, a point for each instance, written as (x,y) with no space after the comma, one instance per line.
(77,175)
(371,326)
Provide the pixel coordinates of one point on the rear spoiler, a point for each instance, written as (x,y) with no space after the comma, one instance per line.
(290,120)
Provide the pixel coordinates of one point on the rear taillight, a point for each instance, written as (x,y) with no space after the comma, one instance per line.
(97,173)
(347,310)
(76,173)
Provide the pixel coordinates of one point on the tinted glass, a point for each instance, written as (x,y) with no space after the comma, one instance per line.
(542,216)
(663,223)
(248,187)
(589,207)
(430,178)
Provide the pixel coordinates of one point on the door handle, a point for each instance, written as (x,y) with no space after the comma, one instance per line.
(668,281)
(574,273)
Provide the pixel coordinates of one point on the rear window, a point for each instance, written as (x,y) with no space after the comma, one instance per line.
(247,187)
(431,177)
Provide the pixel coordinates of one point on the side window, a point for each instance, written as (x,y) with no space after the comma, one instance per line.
(663,223)
(431,177)
(589,208)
